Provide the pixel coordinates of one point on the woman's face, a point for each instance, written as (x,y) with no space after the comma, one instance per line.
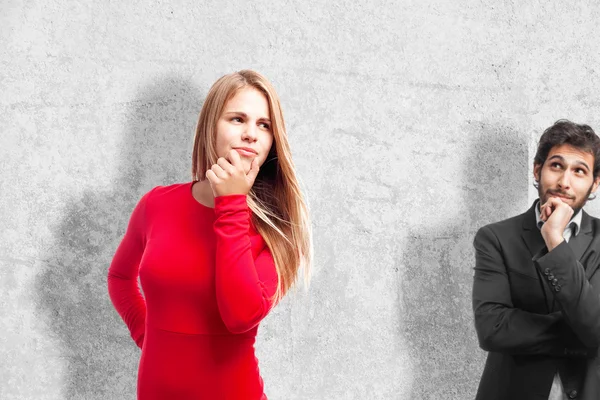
(245,126)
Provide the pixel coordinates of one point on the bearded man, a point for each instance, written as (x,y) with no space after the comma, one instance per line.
(536,288)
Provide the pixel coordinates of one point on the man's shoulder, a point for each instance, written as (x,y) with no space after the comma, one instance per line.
(510,226)
(516,221)
(594,222)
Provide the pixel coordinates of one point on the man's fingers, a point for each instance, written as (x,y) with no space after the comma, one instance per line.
(545,210)
(550,205)
(548,211)
(556,212)
(555,201)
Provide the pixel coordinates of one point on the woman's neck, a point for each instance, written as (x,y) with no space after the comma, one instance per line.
(203,193)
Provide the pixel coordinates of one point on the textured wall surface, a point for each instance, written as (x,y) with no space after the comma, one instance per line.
(412,124)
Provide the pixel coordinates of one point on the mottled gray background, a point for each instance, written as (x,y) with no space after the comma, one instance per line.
(412,124)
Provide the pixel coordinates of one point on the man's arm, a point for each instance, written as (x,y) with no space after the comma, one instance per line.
(577,299)
(500,326)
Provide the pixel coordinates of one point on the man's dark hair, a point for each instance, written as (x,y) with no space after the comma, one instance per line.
(564,131)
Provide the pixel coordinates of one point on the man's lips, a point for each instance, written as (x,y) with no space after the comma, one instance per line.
(560,195)
(246,151)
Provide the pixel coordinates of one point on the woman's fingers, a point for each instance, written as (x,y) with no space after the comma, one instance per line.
(253,173)
(236,160)
(226,165)
(229,176)
(219,171)
(212,178)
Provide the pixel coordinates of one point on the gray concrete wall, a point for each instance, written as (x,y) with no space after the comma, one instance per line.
(412,124)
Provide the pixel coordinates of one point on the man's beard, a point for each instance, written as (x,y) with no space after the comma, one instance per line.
(544,195)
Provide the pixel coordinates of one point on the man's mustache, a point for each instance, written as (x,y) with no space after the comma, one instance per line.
(560,193)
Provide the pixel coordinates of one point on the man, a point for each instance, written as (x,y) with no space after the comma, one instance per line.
(536,289)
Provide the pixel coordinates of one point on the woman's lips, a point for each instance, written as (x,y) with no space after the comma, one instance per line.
(246,152)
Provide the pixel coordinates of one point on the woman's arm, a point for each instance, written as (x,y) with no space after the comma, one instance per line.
(246,280)
(123,275)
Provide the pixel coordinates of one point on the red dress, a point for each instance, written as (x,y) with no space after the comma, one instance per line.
(208,278)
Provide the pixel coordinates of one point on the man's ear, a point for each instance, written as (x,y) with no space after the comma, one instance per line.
(537,170)
(595,184)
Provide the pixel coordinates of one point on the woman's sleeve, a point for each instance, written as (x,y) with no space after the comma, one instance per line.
(123,274)
(245,280)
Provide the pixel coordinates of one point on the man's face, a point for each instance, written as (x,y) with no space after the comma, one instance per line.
(566,174)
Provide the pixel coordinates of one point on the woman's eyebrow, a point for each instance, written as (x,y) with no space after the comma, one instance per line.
(243,114)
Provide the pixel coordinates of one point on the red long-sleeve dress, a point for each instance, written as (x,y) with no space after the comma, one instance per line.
(207,278)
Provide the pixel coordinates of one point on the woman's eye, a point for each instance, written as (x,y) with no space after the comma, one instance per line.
(236,119)
(265,125)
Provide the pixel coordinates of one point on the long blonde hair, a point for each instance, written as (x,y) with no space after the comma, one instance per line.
(279,211)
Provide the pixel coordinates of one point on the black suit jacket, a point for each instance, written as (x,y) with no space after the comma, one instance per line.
(537,312)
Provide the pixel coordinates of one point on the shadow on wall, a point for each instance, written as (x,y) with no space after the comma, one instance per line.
(101,359)
(439,260)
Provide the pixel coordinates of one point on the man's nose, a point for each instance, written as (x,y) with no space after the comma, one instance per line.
(565,180)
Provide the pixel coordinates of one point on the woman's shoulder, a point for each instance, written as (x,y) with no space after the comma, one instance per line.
(173,193)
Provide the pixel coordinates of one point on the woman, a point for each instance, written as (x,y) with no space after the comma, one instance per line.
(214,255)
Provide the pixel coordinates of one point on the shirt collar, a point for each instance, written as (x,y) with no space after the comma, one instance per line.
(576,219)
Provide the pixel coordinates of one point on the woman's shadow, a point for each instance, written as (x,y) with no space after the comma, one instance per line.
(100,357)
(439,263)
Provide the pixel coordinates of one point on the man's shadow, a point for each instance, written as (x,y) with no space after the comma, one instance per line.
(100,357)
(439,260)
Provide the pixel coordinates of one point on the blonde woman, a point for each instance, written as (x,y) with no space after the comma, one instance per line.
(214,255)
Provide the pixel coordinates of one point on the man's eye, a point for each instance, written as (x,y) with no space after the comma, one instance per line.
(556,165)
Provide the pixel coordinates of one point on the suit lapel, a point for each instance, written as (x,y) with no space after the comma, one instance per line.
(531,233)
(535,243)
(581,242)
